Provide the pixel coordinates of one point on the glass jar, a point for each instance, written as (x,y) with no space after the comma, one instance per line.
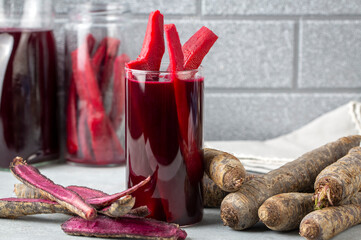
(165,140)
(96,52)
(28,74)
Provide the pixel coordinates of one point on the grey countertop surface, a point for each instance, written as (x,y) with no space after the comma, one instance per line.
(111,180)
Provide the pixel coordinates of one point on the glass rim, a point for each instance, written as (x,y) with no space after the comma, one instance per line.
(200,68)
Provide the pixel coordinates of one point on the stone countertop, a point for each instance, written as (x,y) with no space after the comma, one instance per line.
(112,180)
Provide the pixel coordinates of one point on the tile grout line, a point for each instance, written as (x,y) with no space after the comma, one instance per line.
(296,54)
(199,8)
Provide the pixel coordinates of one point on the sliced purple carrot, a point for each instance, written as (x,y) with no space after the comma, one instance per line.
(153,47)
(188,145)
(112,46)
(98,56)
(107,200)
(31,176)
(197,47)
(83,135)
(23,191)
(71,127)
(18,207)
(90,40)
(123,227)
(86,193)
(176,56)
(89,93)
(116,114)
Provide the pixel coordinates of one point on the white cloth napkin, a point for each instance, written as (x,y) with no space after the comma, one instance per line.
(263,156)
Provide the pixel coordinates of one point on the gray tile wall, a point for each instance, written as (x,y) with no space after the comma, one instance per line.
(276,66)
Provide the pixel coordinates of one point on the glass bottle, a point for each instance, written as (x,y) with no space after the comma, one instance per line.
(28,74)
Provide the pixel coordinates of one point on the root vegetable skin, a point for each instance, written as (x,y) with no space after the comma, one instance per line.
(18,207)
(141,211)
(328,222)
(119,208)
(31,176)
(239,210)
(224,169)
(340,181)
(212,194)
(284,212)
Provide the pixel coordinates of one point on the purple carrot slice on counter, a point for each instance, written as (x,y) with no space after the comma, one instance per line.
(116,209)
(197,47)
(18,207)
(123,227)
(107,200)
(87,193)
(150,56)
(31,176)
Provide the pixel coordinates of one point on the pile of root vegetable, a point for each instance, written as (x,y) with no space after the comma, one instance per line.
(317,193)
(95,213)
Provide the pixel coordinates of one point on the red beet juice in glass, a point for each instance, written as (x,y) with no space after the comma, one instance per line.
(28,108)
(153,144)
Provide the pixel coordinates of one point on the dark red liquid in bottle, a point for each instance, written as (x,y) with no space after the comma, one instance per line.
(28,108)
(153,141)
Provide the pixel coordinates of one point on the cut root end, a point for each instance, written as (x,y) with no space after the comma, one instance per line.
(323,198)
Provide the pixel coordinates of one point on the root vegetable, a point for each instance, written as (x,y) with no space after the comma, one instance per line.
(119,208)
(18,207)
(124,227)
(142,211)
(212,194)
(239,210)
(340,181)
(31,176)
(285,211)
(328,222)
(224,169)
(23,191)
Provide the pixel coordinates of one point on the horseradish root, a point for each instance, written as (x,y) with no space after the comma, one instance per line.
(239,210)
(224,169)
(340,181)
